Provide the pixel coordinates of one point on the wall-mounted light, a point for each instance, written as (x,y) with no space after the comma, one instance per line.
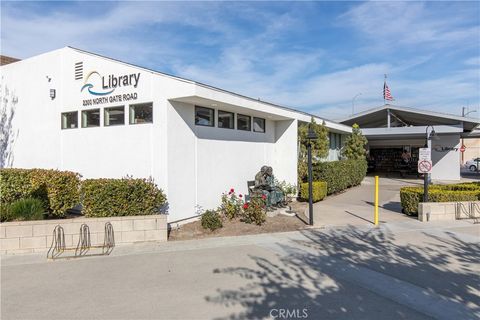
(52,93)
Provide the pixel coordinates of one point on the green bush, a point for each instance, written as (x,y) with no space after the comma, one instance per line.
(211,220)
(410,197)
(58,190)
(340,175)
(5,213)
(231,204)
(27,209)
(319,190)
(121,197)
(254,211)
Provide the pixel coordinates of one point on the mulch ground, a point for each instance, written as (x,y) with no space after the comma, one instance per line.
(279,223)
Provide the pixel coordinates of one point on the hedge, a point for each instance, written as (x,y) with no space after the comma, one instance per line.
(319,190)
(410,197)
(121,197)
(58,190)
(340,175)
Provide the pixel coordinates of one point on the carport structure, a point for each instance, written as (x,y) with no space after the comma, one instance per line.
(395,134)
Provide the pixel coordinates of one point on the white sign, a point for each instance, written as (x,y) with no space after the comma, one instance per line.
(424,154)
(425,166)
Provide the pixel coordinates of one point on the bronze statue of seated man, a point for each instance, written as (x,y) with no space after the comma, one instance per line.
(265,184)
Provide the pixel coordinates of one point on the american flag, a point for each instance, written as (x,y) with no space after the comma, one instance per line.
(386,92)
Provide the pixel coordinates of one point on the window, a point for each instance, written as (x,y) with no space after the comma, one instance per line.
(243,122)
(225,119)
(91,118)
(204,116)
(258,125)
(141,113)
(114,116)
(70,120)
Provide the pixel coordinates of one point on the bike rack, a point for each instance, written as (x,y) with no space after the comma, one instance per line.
(57,248)
(474,209)
(464,211)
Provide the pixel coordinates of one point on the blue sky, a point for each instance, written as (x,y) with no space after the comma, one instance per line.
(313,56)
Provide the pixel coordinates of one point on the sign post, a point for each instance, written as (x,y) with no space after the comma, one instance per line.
(425,166)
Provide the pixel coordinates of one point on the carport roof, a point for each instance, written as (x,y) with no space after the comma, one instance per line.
(405,117)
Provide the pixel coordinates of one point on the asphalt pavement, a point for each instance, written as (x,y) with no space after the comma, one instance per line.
(399,270)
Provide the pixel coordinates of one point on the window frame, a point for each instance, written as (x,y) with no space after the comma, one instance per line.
(105,116)
(132,106)
(233,119)
(195,116)
(249,122)
(61,120)
(99,118)
(264,125)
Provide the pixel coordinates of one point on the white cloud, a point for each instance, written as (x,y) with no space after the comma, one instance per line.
(392,24)
(258,63)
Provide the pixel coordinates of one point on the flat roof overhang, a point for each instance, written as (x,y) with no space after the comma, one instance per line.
(405,117)
(403,133)
(219,99)
(211,103)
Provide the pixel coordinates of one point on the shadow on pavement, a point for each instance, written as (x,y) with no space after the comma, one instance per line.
(359,217)
(437,279)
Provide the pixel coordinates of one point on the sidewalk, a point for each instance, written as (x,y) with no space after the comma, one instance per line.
(408,270)
(355,206)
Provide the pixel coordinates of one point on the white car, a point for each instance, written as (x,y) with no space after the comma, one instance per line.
(472,164)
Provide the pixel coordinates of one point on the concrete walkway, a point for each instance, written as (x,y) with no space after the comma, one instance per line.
(355,205)
(401,270)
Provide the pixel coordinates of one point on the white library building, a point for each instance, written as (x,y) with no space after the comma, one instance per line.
(69,109)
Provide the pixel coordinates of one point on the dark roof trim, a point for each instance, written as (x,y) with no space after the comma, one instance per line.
(412,110)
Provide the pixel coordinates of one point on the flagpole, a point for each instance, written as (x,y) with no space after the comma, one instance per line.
(384,84)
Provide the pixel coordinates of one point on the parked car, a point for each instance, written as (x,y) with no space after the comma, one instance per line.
(473,164)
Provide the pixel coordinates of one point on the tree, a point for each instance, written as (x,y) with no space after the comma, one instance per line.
(320,146)
(354,148)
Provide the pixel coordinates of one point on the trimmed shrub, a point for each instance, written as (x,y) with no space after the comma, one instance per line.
(410,197)
(58,190)
(340,175)
(121,197)
(15,184)
(61,189)
(211,220)
(27,209)
(319,190)
(5,214)
(254,211)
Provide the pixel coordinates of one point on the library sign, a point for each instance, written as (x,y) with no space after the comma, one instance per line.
(102,88)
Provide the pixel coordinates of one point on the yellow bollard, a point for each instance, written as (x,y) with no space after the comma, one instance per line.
(375,217)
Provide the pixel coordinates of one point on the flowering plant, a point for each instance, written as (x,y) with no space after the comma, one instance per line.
(231,204)
(254,211)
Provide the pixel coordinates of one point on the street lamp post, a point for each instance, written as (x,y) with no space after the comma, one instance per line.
(353,102)
(425,175)
(310,136)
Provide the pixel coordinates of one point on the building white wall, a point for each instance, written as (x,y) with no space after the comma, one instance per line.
(446,164)
(33,129)
(192,164)
(204,162)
